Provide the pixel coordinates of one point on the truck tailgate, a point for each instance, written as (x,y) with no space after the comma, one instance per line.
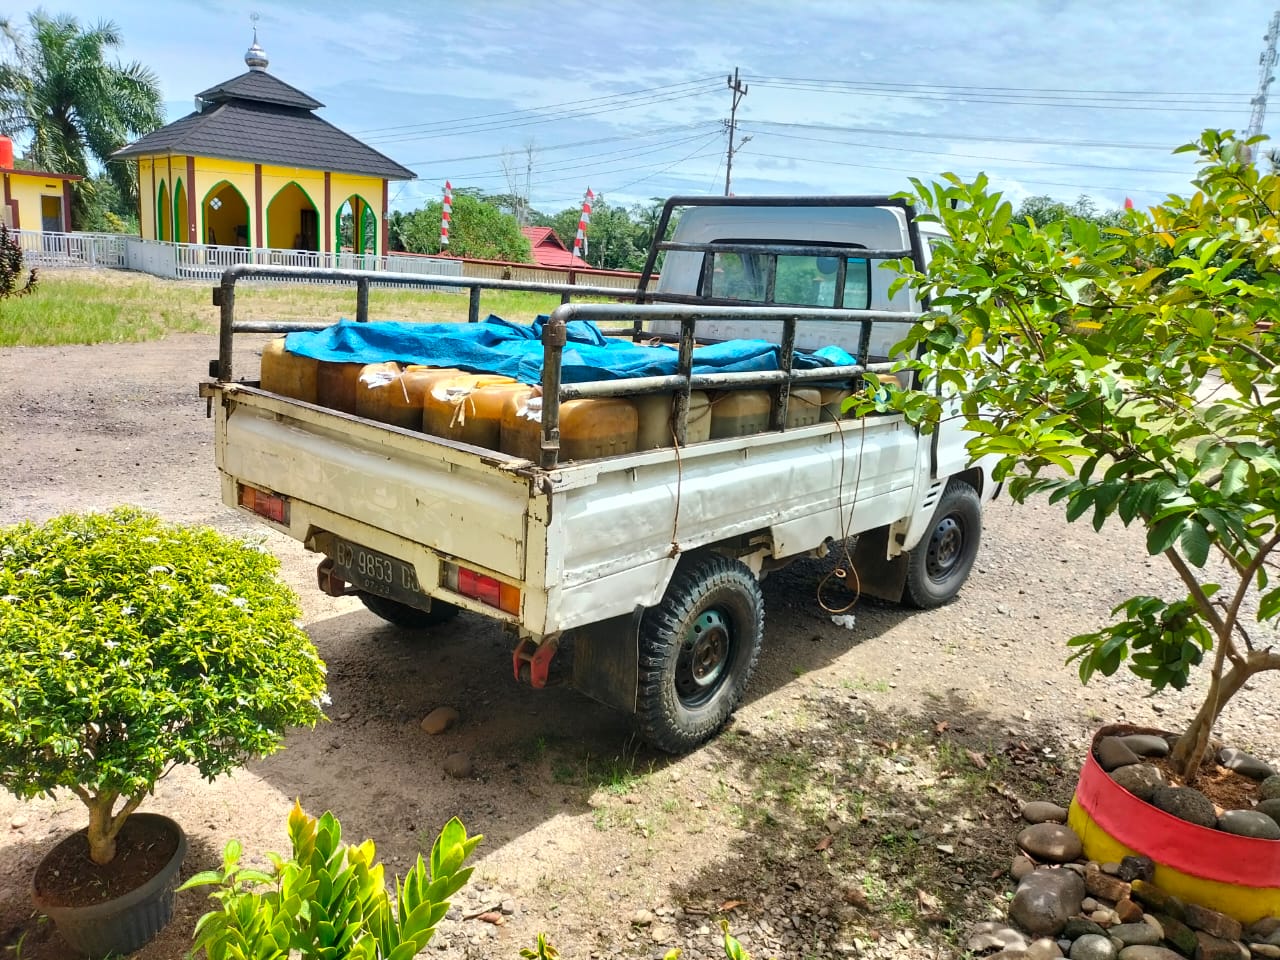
(457,502)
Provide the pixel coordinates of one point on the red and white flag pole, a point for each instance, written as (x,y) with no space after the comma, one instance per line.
(446,214)
(580,241)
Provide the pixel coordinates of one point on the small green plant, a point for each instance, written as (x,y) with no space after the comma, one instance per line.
(541,950)
(128,646)
(1132,374)
(329,900)
(12,268)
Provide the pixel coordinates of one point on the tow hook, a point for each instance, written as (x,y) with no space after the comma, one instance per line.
(532,661)
(330,582)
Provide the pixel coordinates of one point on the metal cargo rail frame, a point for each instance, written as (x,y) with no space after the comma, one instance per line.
(685,309)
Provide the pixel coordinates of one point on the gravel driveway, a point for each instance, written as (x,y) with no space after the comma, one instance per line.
(780,824)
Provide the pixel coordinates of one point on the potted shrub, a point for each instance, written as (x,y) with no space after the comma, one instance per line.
(1129,371)
(129,646)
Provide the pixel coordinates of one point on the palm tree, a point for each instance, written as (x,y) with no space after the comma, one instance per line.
(58,89)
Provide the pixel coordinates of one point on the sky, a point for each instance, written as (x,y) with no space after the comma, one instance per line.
(632,99)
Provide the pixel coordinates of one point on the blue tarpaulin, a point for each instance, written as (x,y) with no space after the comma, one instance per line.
(509,349)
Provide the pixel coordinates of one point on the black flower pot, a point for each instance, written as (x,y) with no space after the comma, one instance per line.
(123,923)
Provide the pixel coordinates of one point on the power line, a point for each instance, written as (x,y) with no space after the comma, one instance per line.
(576,162)
(1008,100)
(656,131)
(968,156)
(547,106)
(485,126)
(899,170)
(1031,91)
(980,138)
(658,173)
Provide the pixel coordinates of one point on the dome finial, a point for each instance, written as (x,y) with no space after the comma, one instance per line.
(255,57)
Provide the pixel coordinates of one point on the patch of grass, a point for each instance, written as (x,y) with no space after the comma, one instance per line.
(108,306)
(617,775)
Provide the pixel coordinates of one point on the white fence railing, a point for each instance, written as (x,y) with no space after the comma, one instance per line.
(72,249)
(191,261)
(194,261)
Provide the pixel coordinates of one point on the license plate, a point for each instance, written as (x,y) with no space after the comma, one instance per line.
(378,573)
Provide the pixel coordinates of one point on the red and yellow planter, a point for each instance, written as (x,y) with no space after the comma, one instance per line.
(1238,876)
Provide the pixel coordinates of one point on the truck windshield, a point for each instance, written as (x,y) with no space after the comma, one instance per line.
(807,281)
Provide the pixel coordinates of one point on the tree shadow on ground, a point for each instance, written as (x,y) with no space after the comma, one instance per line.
(867,826)
(533,754)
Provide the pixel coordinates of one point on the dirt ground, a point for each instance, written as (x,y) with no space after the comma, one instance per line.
(861,804)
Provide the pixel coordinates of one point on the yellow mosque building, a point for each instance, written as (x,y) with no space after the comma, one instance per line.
(253,166)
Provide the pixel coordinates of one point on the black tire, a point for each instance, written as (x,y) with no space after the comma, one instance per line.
(405,616)
(940,563)
(698,648)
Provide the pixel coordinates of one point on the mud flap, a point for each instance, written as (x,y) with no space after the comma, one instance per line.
(879,575)
(606,661)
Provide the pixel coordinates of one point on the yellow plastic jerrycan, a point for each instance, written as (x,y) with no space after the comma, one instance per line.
(598,427)
(655,412)
(288,374)
(739,413)
(468,408)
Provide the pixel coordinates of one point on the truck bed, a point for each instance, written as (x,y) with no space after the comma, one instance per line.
(583,541)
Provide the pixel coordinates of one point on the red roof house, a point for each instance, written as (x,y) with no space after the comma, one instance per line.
(548,251)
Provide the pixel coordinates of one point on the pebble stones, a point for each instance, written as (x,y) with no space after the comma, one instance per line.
(1249,823)
(1112,752)
(1271,808)
(1149,953)
(1021,866)
(1093,947)
(1211,948)
(1245,764)
(1136,934)
(459,766)
(1051,842)
(1136,868)
(1270,789)
(992,935)
(1046,900)
(1213,923)
(1186,803)
(1042,811)
(439,720)
(1146,744)
(1104,886)
(1140,779)
(1043,949)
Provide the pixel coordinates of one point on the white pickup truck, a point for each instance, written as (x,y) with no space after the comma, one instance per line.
(649,561)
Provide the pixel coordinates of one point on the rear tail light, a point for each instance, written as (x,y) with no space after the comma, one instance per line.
(479,586)
(269,505)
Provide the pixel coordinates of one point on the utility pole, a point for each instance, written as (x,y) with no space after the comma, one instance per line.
(739,91)
(1266,63)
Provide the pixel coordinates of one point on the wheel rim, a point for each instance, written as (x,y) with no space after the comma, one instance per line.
(704,658)
(946,547)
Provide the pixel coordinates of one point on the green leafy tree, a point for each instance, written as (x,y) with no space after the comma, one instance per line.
(1131,374)
(613,239)
(58,88)
(1043,210)
(127,646)
(477,229)
(565,225)
(104,209)
(646,217)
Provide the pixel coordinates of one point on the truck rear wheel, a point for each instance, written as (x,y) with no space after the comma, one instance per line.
(940,563)
(698,648)
(405,616)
